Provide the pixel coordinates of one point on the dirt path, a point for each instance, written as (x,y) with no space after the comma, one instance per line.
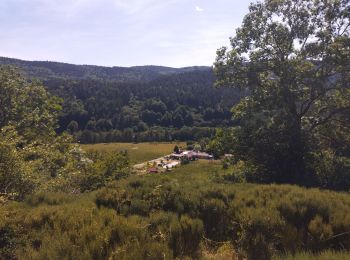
(141,167)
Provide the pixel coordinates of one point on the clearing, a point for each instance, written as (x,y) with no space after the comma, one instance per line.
(138,152)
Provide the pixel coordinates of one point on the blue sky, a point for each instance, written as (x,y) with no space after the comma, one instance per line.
(173,33)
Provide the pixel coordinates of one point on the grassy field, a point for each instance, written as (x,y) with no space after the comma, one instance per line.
(201,172)
(138,153)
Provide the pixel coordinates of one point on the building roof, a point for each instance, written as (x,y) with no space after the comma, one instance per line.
(203,154)
(153,169)
(177,155)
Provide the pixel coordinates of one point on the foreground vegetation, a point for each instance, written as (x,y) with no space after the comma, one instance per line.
(186,213)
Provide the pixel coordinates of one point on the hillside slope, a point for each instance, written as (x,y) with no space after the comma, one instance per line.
(143,103)
(47,70)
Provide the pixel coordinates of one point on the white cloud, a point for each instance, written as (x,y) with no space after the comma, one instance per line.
(134,6)
(142,6)
(198,9)
(117,32)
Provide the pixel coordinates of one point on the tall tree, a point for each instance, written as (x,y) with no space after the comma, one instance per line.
(32,156)
(294,58)
(27,106)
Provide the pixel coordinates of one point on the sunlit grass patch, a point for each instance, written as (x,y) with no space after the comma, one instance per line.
(138,152)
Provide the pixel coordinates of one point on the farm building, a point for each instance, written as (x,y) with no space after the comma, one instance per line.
(191,155)
(171,165)
(202,155)
(153,170)
(176,156)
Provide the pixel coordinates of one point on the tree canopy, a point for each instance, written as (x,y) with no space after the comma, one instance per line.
(32,155)
(293,56)
(146,103)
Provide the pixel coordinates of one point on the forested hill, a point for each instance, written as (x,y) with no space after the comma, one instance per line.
(147,103)
(47,70)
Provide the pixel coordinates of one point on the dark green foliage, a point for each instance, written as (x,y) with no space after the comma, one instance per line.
(45,198)
(73,127)
(103,168)
(45,70)
(293,58)
(166,216)
(55,231)
(214,213)
(14,175)
(32,155)
(174,101)
(97,233)
(289,219)
(134,104)
(7,242)
(185,160)
(27,106)
(259,220)
(176,149)
(186,234)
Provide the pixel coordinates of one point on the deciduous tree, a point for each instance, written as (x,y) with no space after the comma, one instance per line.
(294,58)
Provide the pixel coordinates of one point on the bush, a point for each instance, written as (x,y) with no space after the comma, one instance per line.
(171,214)
(243,172)
(48,198)
(106,167)
(186,235)
(7,242)
(259,220)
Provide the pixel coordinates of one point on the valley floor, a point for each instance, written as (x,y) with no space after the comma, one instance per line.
(138,152)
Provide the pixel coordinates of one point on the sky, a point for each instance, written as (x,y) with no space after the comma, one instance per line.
(175,33)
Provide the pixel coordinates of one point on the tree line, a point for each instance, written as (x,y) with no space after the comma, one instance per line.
(134,112)
(134,104)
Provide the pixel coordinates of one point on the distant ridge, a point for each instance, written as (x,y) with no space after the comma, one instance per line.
(50,69)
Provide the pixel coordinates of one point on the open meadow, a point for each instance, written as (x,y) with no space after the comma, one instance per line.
(137,152)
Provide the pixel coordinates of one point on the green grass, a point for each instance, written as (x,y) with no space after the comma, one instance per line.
(195,174)
(138,153)
(201,172)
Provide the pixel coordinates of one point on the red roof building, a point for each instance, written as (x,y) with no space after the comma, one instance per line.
(153,170)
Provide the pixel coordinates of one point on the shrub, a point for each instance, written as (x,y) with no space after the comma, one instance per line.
(48,198)
(171,214)
(186,235)
(7,242)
